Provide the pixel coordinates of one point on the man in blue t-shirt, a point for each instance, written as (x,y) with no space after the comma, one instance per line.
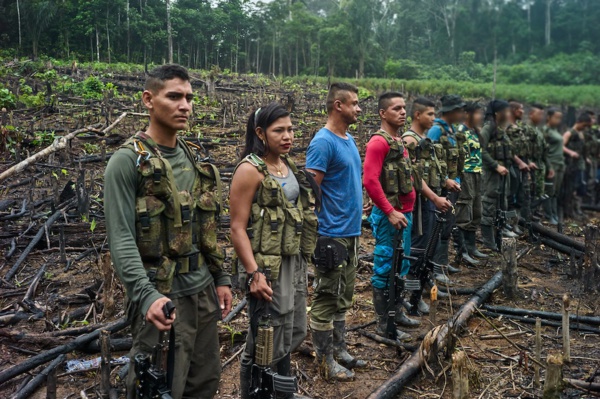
(452,112)
(333,158)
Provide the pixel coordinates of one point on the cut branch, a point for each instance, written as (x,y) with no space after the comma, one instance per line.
(435,340)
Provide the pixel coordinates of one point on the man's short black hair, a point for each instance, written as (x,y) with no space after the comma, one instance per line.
(159,75)
(421,104)
(514,104)
(537,106)
(384,99)
(584,118)
(552,111)
(338,91)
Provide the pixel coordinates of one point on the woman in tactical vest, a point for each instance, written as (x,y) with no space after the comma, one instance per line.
(274,231)
(574,187)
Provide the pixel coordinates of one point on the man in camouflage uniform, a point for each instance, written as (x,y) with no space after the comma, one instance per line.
(162,209)
(592,148)
(520,192)
(539,153)
(497,157)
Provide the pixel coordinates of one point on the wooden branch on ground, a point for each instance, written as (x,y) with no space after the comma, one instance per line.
(36,381)
(588,386)
(238,308)
(386,341)
(13,270)
(433,342)
(44,357)
(551,323)
(594,321)
(58,144)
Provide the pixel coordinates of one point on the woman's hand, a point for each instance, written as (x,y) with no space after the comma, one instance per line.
(259,287)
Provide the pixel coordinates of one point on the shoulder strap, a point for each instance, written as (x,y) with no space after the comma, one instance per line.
(385,135)
(412,134)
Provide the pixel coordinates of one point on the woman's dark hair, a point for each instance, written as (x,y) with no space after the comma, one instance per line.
(263,117)
(493,108)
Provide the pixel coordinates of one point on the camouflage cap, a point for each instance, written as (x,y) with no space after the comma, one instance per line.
(451,102)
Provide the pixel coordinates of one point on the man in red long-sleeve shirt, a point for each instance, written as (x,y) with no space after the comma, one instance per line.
(388,182)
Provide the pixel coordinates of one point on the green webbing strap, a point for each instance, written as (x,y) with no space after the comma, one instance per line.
(170,178)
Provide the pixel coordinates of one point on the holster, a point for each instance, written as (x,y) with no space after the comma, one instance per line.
(329,254)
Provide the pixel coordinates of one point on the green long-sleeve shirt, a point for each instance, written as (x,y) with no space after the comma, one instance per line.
(122,184)
(554,139)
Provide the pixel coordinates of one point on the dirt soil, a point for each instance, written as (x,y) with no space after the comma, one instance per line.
(76,291)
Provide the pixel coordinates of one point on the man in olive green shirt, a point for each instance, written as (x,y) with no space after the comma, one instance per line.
(200,289)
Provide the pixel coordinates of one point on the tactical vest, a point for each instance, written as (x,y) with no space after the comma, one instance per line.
(396,174)
(577,144)
(277,227)
(520,140)
(537,144)
(453,153)
(499,147)
(428,162)
(176,231)
(592,145)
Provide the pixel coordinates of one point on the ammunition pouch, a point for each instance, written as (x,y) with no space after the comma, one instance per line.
(329,254)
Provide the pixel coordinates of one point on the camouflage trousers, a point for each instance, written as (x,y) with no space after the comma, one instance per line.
(333,295)
(287,310)
(492,189)
(468,205)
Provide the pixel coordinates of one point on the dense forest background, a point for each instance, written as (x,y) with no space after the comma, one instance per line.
(530,41)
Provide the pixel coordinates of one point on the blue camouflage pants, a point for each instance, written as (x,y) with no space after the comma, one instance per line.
(385,234)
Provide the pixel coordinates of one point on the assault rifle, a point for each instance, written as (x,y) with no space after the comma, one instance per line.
(151,372)
(423,267)
(264,382)
(502,215)
(395,286)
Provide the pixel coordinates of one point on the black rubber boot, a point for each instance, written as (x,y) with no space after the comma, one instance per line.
(380,303)
(488,234)
(328,367)
(402,319)
(340,349)
(245,377)
(472,246)
(461,248)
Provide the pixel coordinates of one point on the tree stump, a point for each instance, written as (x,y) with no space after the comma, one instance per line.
(509,267)
(553,385)
(460,376)
(589,271)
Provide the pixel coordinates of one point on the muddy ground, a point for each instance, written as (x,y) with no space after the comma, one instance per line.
(74,281)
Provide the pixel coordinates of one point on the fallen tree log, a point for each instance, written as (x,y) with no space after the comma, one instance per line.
(565,249)
(594,321)
(36,381)
(44,357)
(435,340)
(588,386)
(551,323)
(556,236)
